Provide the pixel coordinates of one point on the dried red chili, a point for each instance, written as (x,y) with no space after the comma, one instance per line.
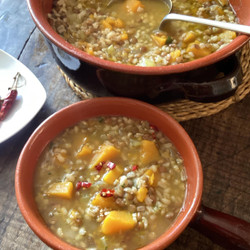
(7,102)
(155,130)
(105,193)
(82,184)
(134,167)
(99,166)
(154,127)
(111,165)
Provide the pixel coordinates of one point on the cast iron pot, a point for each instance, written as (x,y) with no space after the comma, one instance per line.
(102,77)
(226,230)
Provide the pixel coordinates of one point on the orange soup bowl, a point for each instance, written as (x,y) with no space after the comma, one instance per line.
(106,78)
(192,213)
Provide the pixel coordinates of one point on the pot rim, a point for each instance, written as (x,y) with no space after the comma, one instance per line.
(46,29)
(36,144)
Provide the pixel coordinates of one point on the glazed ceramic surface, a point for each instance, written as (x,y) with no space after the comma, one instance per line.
(30,98)
(105,78)
(106,106)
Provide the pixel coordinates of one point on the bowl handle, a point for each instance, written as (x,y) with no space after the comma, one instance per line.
(224,229)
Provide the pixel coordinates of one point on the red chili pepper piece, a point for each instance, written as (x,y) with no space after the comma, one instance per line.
(111,165)
(78,185)
(154,127)
(9,100)
(105,193)
(99,166)
(134,167)
(82,184)
(155,130)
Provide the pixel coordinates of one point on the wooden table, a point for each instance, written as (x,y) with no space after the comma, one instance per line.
(222,140)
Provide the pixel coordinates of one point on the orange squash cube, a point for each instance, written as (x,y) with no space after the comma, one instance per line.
(61,190)
(149,152)
(117,221)
(105,153)
(107,202)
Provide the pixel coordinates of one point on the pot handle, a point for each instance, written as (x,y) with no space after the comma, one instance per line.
(225,230)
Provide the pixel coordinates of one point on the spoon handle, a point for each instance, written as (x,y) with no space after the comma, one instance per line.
(229,26)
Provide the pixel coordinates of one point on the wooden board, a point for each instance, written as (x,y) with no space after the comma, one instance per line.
(222,140)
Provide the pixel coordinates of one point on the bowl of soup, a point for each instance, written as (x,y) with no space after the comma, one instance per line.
(115,173)
(109,173)
(117,49)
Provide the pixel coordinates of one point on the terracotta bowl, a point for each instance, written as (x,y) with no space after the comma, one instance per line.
(102,77)
(69,116)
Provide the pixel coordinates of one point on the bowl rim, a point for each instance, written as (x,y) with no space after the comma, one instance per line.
(33,218)
(53,37)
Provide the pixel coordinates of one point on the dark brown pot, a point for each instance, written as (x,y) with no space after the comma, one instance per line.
(105,78)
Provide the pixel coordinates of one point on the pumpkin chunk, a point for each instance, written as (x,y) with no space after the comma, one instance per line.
(152,177)
(159,39)
(105,153)
(110,23)
(174,55)
(113,174)
(117,221)
(133,5)
(84,151)
(141,194)
(149,152)
(197,50)
(61,190)
(189,37)
(104,202)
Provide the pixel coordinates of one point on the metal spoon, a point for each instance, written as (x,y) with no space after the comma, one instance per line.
(229,26)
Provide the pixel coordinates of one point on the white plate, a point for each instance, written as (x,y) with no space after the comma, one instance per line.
(30,99)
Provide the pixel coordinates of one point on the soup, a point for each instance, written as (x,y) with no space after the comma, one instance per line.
(110,183)
(127,31)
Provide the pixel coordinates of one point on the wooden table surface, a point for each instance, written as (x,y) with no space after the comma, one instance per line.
(222,140)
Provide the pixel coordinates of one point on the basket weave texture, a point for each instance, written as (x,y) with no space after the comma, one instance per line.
(184,109)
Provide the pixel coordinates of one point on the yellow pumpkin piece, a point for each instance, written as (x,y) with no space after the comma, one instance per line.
(102,202)
(124,36)
(149,172)
(197,50)
(149,152)
(90,51)
(228,34)
(174,55)
(118,23)
(133,5)
(220,11)
(113,174)
(110,23)
(141,194)
(153,177)
(105,153)
(85,151)
(117,221)
(61,190)
(189,37)
(106,24)
(159,39)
